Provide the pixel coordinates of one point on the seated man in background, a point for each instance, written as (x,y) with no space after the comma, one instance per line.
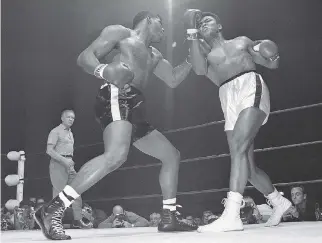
(208,217)
(303,209)
(249,212)
(197,221)
(99,216)
(123,219)
(155,219)
(189,219)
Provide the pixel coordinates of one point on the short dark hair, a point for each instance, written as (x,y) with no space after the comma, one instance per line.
(143,15)
(204,14)
(65,110)
(299,186)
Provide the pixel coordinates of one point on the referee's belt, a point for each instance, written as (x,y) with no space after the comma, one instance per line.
(67,156)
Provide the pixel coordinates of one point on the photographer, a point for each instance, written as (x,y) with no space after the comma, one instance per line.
(123,219)
(249,212)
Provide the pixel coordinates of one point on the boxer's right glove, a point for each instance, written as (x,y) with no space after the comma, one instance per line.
(117,73)
(192,18)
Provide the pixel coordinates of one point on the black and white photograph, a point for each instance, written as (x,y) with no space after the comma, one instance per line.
(161,121)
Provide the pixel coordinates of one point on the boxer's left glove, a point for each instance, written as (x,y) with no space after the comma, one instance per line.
(192,18)
(117,73)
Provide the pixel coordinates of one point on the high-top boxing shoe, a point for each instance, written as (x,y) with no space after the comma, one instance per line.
(49,218)
(280,205)
(170,222)
(230,218)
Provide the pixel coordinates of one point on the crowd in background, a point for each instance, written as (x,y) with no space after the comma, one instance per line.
(21,218)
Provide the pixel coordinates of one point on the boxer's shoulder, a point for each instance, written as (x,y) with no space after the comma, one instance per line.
(241,42)
(117,31)
(243,38)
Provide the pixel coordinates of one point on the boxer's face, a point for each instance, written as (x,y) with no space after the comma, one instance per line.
(208,26)
(156,29)
(297,195)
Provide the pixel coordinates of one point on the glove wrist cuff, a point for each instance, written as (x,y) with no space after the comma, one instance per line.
(193,36)
(98,72)
(192,31)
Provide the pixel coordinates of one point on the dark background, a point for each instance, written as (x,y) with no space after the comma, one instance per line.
(41,40)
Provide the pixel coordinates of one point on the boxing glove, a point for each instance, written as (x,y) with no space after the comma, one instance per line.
(191,19)
(117,73)
(268,49)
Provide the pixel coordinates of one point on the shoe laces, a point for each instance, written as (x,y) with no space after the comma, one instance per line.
(180,219)
(57,221)
(269,202)
(224,201)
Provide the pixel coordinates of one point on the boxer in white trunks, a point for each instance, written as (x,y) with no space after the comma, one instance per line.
(244,96)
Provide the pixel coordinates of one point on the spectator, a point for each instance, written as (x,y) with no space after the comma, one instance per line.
(123,219)
(155,219)
(197,221)
(40,201)
(249,212)
(208,217)
(33,201)
(7,219)
(189,219)
(23,216)
(99,216)
(303,209)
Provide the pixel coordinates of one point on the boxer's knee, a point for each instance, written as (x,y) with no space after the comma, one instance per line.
(171,158)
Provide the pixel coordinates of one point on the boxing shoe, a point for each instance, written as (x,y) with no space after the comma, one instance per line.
(280,205)
(170,222)
(49,218)
(230,218)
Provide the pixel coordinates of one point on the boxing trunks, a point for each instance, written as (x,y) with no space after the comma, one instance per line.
(114,104)
(242,91)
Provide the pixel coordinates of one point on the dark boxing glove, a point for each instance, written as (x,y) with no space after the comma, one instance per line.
(192,18)
(117,73)
(268,49)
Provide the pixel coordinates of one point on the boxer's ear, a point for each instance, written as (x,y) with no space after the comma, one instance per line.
(219,26)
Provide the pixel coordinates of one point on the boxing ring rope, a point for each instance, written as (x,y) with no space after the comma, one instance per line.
(20,183)
(225,189)
(222,121)
(199,126)
(224,155)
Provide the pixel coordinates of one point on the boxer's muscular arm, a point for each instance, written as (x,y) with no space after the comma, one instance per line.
(104,44)
(199,50)
(258,58)
(171,76)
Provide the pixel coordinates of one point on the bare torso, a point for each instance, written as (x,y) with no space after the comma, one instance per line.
(141,60)
(229,59)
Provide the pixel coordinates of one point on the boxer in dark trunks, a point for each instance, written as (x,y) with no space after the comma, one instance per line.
(244,96)
(121,113)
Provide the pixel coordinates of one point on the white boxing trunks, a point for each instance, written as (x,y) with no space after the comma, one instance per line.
(242,91)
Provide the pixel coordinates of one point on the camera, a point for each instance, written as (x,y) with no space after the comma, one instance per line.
(121,218)
(318,212)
